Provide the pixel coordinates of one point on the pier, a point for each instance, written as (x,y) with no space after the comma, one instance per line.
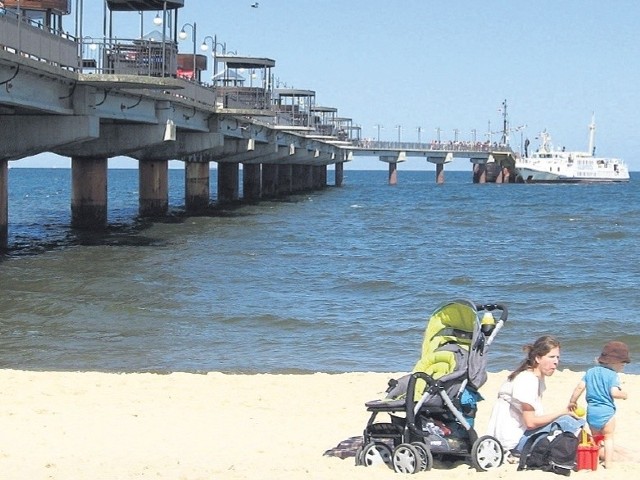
(91,99)
(491,162)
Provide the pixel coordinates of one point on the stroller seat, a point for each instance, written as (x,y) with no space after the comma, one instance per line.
(432,410)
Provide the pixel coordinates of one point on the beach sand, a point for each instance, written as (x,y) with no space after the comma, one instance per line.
(85,425)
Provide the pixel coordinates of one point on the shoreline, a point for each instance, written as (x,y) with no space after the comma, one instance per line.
(77,425)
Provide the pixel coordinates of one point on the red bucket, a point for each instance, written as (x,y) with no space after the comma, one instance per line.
(588,451)
(587,458)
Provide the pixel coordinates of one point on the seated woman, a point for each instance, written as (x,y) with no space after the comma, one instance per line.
(518,411)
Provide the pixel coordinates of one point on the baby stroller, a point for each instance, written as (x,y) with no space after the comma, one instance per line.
(432,410)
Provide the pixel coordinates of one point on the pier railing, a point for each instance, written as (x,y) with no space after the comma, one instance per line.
(481,147)
(146,57)
(31,39)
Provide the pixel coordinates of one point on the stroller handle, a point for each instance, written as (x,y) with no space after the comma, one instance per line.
(489,307)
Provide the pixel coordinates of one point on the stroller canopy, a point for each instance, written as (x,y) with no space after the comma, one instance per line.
(453,345)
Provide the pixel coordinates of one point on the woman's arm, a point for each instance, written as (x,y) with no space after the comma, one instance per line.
(531,420)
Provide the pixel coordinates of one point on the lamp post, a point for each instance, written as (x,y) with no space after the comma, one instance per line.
(214,49)
(438,130)
(183,35)
(521,130)
(91,45)
(399,127)
(162,21)
(157,20)
(419,130)
(378,127)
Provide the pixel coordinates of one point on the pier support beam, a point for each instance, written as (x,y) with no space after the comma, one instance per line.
(439,173)
(196,186)
(285,176)
(4,205)
(339,174)
(393,161)
(89,193)
(251,181)
(308,177)
(269,180)
(505,177)
(481,173)
(440,159)
(298,178)
(319,176)
(153,177)
(228,182)
(393,173)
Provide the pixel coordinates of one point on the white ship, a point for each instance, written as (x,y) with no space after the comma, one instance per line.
(547,165)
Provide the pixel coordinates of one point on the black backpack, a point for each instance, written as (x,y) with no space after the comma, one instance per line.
(551,451)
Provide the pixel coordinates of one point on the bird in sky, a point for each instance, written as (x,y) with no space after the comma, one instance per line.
(255,5)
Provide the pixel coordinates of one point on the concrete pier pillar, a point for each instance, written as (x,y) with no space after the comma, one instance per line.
(393,173)
(285,176)
(308,177)
(4,205)
(251,181)
(439,173)
(196,186)
(228,182)
(482,173)
(298,178)
(269,180)
(319,173)
(506,175)
(89,193)
(339,174)
(153,177)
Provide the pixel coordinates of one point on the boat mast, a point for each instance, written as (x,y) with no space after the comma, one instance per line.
(592,135)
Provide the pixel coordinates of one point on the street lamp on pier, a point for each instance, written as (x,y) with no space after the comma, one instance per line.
(378,127)
(419,130)
(521,129)
(214,50)
(473,135)
(455,134)
(399,127)
(438,130)
(183,35)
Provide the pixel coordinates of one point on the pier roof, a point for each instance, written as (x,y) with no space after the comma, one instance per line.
(317,108)
(143,5)
(293,92)
(234,61)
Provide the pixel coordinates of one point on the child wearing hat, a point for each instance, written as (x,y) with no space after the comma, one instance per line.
(602,384)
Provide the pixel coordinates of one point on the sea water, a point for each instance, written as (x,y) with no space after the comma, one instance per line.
(342,279)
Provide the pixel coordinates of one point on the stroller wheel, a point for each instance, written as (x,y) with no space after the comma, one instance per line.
(406,459)
(375,453)
(486,453)
(426,458)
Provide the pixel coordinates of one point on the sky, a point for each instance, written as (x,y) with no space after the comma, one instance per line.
(431,65)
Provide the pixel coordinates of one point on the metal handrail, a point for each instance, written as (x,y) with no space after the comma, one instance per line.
(31,39)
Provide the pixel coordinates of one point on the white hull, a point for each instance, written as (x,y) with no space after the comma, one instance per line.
(591,170)
(549,166)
